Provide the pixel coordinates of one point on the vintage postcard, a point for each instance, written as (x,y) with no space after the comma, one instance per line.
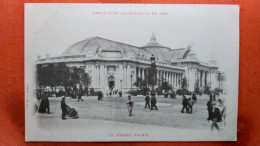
(131,72)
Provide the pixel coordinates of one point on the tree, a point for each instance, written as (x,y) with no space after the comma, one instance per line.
(86,81)
(140,83)
(184,83)
(166,86)
(196,87)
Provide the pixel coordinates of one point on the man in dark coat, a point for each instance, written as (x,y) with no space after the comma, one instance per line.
(46,103)
(153,102)
(79,94)
(194,97)
(185,102)
(214,116)
(147,101)
(120,94)
(63,108)
(209,106)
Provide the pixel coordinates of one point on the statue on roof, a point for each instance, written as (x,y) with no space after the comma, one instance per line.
(153,41)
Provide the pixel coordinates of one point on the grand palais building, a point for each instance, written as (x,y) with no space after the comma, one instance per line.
(114,63)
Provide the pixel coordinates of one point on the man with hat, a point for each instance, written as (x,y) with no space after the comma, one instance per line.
(63,108)
(130,105)
(153,101)
(147,101)
(214,116)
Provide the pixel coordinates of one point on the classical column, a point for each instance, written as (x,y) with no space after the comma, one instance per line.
(142,73)
(176,79)
(179,79)
(210,79)
(121,75)
(134,76)
(163,75)
(128,76)
(137,72)
(102,76)
(93,76)
(157,76)
(124,76)
(166,76)
(206,78)
(99,76)
(203,78)
(173,79)
(105,77)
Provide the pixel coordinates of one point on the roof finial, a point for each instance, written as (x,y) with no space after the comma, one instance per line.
(153,38)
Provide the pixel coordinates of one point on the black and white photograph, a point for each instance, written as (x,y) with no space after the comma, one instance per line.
(131,72)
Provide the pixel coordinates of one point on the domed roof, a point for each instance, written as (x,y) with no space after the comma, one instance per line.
(96,45)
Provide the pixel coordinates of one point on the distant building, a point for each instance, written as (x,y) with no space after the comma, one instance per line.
(111,63)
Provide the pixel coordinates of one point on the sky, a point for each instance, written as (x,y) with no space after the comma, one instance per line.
(212,31)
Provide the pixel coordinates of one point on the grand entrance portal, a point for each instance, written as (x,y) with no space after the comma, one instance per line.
(111,83)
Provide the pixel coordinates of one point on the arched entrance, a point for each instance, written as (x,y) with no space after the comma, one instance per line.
(111,83)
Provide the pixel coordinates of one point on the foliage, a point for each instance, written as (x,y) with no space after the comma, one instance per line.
(166,95)
(92,92)
(133,92)
(217,91)
(173,95)
(166,87)
(196,88)
(184,84)
(144,91)
(207,89)
(60,74)
(183,92)
(142,84)
(86,80)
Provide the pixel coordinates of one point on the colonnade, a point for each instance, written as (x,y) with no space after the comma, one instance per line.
(204,78)
(172,77)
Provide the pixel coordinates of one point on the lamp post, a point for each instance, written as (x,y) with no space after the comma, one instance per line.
(153,67)
(219,76)
(131,76)
(121,84)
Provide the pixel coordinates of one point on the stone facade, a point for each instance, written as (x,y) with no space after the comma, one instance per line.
(110,62)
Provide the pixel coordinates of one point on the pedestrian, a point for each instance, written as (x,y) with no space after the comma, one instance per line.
(130,105)
(153,102)
(79,96)
(194,97)
(184,104)
(209,106)
(100,95)
(120,93)
(63,108)
(46,104)
(215,116)
(147,101)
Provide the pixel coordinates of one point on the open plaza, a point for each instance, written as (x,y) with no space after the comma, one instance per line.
(114,110)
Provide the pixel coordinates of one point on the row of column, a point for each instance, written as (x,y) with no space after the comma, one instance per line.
(203,77)
(173,78)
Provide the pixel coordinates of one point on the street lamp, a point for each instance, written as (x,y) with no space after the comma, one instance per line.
(121,84)
(131,76)
(153,67)
(219,74)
